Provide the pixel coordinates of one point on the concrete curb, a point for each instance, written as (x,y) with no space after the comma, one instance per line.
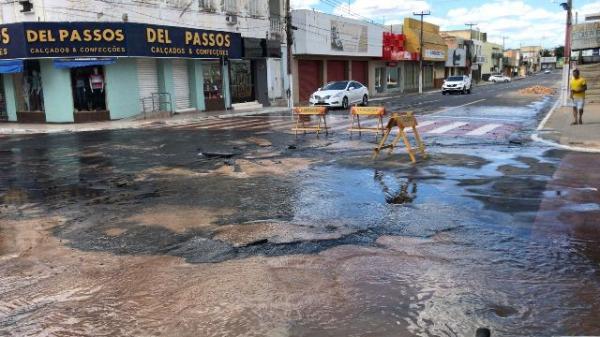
(537,138)
(127,124)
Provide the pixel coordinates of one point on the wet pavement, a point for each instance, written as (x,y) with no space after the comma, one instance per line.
(235,227)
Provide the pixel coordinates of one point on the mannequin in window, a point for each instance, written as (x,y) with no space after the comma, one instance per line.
(36,91)
(97,87)
(81,102)
(26,90)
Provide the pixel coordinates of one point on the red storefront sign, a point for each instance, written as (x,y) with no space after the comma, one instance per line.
(393,48)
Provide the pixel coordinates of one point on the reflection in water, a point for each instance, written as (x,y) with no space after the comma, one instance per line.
(399,196)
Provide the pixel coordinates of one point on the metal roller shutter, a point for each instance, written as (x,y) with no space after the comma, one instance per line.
(147,80)
(359,72)
(181,84)
(336,71)
(309,74)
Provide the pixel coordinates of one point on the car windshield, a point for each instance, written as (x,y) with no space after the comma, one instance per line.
(455,78)
(336,85)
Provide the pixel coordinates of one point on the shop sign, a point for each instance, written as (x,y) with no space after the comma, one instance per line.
(456,58)
(586,36)
(98,39)
(548,59)
(434,54)
(349,37)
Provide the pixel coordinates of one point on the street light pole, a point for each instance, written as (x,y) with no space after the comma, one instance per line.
(567,6)
(421,14)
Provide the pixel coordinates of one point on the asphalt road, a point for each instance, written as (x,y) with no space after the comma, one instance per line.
(238,227)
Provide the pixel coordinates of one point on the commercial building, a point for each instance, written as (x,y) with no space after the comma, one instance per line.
(531,56)
(331,48)
(492,59)
(586,40)
(456,64)
(473,40)
(512,62)
(435,53)
(65,61)
(548,62)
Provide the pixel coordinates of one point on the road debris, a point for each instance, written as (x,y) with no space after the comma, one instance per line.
(537,90)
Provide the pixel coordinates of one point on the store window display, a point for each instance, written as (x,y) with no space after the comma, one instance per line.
(89,88)
(242,89)
(28,86)
(213,85)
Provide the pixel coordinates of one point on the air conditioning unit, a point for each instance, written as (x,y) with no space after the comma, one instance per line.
(231,19)
(27,6)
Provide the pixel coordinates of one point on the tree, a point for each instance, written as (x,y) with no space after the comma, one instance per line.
(546,53)
(559,51)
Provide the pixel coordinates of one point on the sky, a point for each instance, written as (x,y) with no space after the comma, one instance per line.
(522,22)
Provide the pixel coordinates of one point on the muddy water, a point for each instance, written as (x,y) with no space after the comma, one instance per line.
(113,234)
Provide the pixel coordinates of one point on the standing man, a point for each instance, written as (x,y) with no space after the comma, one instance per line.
(578,88)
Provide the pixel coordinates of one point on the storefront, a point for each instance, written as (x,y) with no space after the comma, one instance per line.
(393,71)
(332,48)
(435,53)
(90,71)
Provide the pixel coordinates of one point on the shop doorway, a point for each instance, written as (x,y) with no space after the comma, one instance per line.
(3,112)
(89,94)
(213,86)
(29,93)
(259,67)
(241,81)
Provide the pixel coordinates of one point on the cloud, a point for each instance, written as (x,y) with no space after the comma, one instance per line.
(590,8)
(303,4)
(520,22)
(392,11)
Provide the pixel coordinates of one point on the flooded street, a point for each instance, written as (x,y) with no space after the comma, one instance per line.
(207,230)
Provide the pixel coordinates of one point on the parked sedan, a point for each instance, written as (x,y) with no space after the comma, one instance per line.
(499,79)
(340,94)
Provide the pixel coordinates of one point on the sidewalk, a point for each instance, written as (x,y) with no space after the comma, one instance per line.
(12,128)
(558,129)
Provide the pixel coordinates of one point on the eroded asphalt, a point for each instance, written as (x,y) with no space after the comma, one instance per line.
(238,228)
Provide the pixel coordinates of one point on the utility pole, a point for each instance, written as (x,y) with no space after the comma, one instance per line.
(421,14)
(474,49)
(289,41)
(568,6)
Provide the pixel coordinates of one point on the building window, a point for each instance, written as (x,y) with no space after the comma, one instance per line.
(241,81)
(213,85)
(28,86)
(379,73)
(230,6)
(89,86)
(207,5)
(393,77)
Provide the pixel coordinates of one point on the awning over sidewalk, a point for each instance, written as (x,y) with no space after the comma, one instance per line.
(11,66)
(83,62)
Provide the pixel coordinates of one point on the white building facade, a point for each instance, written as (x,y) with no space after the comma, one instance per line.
(145,54)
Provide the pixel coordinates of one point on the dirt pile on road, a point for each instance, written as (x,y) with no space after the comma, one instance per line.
(537,90)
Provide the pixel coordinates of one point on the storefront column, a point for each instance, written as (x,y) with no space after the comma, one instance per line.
(58,95)
(165,81)
(122,92)
(226,89)
(11,99)
(196,84)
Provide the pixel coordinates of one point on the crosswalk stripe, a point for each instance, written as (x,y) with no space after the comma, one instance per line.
(240,125)
(446,128)
(421,124)
(483,130)
(273,125)
(229,124)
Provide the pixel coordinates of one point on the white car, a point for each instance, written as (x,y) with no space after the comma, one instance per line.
(499,79)
(547,71)
(340,94)
(460,84)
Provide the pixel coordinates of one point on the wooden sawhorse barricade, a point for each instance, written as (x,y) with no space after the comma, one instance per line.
(402,121)
(374,111)
(303,116)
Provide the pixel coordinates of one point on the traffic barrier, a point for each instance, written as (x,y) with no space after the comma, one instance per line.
(303,119)
(402,121)
(373,111)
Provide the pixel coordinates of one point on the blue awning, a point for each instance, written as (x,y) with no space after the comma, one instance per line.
(83,62)
(11,66)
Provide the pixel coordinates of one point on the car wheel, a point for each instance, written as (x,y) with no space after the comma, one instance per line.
(444,93)
(365,100)
(464,90)
(469,90)
(345,103)
(494,81)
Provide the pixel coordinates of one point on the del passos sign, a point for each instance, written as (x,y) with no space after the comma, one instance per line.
(81,39)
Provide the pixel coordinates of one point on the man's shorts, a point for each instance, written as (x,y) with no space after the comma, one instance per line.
(578,103)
